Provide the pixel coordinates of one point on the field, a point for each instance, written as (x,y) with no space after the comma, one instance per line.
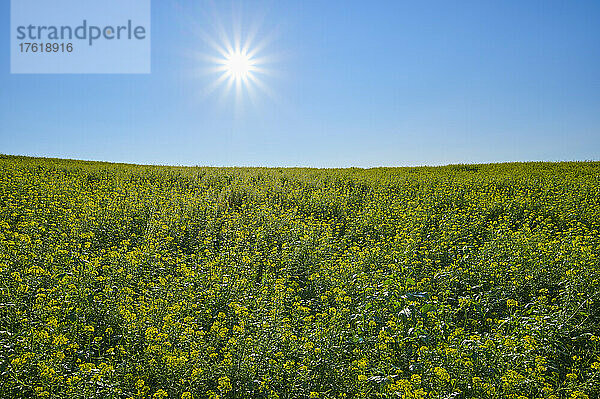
(463,281)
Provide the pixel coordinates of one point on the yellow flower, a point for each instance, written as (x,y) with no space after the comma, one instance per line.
(224,384)
(88,328)
(442,374)
(160,394)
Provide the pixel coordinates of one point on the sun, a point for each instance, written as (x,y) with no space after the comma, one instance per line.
(238,65)
(236,61)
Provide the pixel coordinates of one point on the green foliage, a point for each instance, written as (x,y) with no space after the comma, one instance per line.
(125,281)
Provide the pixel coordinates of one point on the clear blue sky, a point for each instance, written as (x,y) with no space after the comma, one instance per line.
(354,83)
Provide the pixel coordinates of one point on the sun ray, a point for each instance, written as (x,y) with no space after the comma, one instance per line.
(216,84)
(236,57)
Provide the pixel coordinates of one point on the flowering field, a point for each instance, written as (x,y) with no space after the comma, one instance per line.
(464,281)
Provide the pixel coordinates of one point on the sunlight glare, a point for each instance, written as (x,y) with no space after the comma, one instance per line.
(239,65)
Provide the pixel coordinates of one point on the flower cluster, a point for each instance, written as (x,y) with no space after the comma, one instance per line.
(163,282)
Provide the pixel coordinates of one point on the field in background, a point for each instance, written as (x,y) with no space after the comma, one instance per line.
(462,281)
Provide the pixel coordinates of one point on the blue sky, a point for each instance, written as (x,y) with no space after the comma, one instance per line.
(351,83)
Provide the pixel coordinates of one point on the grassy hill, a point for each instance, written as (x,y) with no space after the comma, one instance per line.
(460,281)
